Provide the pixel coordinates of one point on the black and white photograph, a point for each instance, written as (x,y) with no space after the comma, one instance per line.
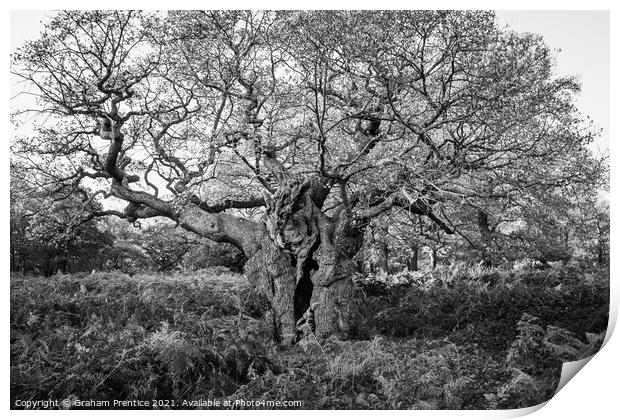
(306,209)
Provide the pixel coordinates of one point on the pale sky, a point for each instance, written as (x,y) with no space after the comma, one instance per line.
(582,38)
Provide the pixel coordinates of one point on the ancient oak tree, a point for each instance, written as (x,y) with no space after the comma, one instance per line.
(286,133)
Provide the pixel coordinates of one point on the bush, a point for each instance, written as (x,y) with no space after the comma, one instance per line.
(214,255)
(481,304)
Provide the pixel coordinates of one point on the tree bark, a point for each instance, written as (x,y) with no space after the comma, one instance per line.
(413,258)
(385,257)
(333,285)
(485,238)
(433,258)
(270,269)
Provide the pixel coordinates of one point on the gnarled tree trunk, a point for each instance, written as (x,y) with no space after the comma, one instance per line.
(305,260)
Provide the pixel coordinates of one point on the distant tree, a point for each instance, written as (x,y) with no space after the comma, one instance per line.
(602,224)
(41,238)
(286,133)
(211,254)
(165,246)
(590,228)
(126,257)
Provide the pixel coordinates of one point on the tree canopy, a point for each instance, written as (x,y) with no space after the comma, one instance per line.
(391,108)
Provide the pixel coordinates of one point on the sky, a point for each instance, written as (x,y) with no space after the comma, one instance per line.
(581,39)
(26,25)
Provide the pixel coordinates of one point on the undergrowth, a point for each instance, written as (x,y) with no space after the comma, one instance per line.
(456,338)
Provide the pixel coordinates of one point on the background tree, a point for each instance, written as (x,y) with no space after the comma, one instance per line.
(41,239)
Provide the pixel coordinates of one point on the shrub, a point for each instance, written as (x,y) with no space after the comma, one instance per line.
(534,362)
(480,304)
